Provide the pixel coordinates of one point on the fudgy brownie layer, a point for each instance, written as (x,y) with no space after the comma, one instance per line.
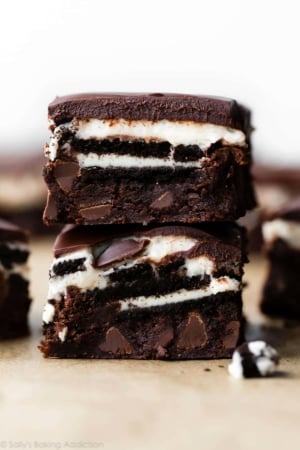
(156,106)
(281,293)
(85,328)
(220,190)
(14,306)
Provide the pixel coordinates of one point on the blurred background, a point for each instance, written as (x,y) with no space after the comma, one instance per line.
(245,50)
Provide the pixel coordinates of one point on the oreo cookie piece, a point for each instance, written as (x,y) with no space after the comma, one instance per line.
(253,360)
(147,158)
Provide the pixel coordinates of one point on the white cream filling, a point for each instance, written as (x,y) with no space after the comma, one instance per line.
(161,246)
(174,132)
(114,160)
(288,231)
(63,334)
(48,313)
(216,285)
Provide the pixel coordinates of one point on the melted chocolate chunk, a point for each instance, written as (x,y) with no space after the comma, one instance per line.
(232,333)
(116,343)
(164,201)
(65,173)
(50,212)
(164,339)
(226,238)
(119,251)
(94,212)
(193,335)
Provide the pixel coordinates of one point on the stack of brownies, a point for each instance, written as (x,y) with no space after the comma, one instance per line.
(151,262)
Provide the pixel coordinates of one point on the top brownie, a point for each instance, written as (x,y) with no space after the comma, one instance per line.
(219,111)
(147,158)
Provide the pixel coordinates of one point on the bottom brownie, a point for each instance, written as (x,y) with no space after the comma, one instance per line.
(171,292)
(200,329)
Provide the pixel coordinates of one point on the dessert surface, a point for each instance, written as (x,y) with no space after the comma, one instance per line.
(153,404)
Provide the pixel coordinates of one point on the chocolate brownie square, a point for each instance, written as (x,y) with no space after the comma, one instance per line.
(147,158)
(168,292)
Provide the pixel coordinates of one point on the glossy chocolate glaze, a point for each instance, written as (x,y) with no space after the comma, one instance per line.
(217,239)
(157,106)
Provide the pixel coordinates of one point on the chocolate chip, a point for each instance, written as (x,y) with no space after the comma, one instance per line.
(119,251)
(193,335)
(50,212)
(232,332)
(164,201)
(116,343)
(95,212)
(65,173)
(164,339)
